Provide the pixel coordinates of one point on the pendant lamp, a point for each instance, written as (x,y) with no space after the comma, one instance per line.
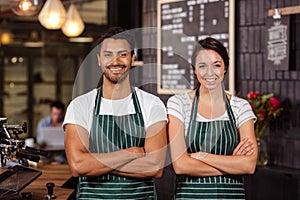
(6,37)
(74,25)
(25,7)
(52,15)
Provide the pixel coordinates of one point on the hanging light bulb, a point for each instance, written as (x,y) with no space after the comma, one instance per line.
(6,37)
(74,25)
(25,7)
(52,15)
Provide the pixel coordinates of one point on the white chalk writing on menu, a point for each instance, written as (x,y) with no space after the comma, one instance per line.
(183,23)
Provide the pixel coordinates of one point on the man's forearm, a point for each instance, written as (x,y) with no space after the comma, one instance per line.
(151,165)
(87,164)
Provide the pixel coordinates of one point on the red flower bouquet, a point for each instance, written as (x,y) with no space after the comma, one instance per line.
(266,108)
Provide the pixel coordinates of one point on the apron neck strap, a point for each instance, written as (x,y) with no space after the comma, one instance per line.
(98,101)
(135,99)
(195,106)
(228,107)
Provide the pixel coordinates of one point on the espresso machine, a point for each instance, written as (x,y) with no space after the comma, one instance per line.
(15,156)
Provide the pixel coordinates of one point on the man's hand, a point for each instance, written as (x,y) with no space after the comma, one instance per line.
(136,150)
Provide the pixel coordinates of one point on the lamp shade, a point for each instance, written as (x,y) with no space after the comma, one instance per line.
(74,25)
(25,7)
(52,15)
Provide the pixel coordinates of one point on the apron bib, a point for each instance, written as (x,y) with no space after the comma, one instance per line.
(112,133)
(216,137)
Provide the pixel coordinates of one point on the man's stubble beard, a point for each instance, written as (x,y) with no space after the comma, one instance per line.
(116,80)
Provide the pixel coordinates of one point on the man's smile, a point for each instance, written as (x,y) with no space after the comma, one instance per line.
(116,68)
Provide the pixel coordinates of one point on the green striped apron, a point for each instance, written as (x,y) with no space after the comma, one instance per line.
(112,133)
(216,137)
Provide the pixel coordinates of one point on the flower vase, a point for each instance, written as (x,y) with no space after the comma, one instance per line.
(262,157)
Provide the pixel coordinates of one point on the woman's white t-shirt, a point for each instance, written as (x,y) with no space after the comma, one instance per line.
(180,106)
(80,110)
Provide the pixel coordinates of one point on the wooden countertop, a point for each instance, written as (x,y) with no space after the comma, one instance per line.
(58,174)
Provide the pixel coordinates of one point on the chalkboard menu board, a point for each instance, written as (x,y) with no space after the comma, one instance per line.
(180,25)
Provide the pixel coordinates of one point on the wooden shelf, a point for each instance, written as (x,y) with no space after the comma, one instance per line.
(285,11)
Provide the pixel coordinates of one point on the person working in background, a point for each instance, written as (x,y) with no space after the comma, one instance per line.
(115,135)
(55,119)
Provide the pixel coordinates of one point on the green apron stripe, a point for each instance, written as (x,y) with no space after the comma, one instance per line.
(213,185)
(136,103)
(212,179)
(226,141)
(211,196)
(98,96)
(210,191)
(113,195)
(123,190)
(120,190)
(127,180)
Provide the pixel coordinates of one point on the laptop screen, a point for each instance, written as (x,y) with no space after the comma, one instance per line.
(53,136)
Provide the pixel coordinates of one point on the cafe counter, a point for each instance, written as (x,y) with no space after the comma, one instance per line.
(37,189)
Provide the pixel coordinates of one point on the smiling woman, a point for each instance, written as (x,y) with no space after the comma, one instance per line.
(209,68)
(211,132)
(210,52)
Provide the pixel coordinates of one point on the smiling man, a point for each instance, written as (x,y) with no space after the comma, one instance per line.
(116,134)
(115,59)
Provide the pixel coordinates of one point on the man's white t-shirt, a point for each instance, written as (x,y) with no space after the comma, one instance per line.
(80,110)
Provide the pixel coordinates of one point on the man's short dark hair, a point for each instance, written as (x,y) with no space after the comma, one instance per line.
(58,105)
(118,33)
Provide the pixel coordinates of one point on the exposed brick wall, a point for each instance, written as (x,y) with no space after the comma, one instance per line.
(283,138)
(251,73)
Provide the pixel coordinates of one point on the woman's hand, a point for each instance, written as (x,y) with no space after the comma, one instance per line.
(244,148)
